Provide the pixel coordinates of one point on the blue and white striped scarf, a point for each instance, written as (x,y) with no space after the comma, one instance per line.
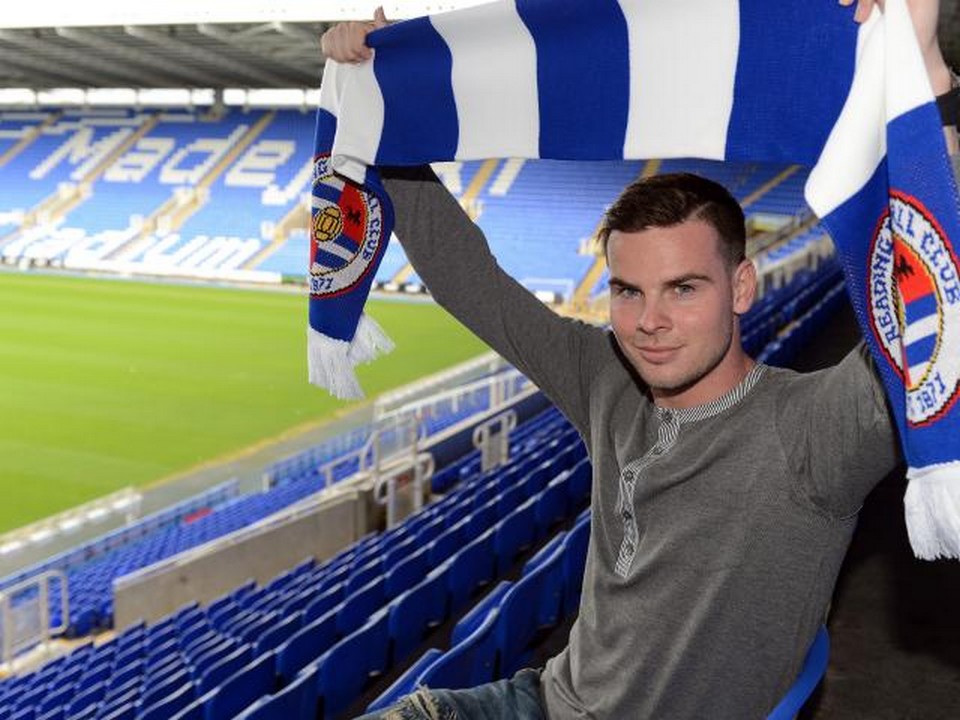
(740,80)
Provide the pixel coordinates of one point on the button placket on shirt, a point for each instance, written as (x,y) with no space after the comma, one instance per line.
(667,433)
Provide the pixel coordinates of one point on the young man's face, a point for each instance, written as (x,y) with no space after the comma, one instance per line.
(673,306)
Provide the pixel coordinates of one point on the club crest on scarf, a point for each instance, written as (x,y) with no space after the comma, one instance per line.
(346,232)
(913,288)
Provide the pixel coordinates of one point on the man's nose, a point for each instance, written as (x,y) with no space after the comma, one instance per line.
(653,317)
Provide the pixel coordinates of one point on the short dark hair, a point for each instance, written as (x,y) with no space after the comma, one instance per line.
(673,198)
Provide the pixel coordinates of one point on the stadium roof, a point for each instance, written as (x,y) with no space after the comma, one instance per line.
(177,43)
(204,44)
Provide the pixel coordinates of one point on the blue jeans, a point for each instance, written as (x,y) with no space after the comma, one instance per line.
(515,699)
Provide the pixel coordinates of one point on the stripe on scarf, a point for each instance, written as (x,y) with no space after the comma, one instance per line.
(419,112)
(776,76)
(494,83)
(693,47)
(582,76)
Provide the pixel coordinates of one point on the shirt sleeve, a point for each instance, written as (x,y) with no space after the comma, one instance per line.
(451,255)
(838,433)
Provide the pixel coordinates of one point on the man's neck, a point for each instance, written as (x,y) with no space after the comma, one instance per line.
(729,373)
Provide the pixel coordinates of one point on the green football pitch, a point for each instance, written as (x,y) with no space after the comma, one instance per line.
(107,383)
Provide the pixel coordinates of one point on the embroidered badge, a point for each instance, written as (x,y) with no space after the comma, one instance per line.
(914,295)
(346,232)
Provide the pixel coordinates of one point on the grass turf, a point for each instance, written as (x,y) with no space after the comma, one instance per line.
(105,383)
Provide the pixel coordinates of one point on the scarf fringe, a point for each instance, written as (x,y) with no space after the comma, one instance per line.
(932,510)
(331,362)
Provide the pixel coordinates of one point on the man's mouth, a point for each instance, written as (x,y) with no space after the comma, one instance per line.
(658,353)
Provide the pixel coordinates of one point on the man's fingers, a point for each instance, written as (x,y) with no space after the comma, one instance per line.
(379,18)
(345,42)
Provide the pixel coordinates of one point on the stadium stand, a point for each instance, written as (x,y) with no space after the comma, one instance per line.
(159,670)
(224,195)
(309,641)
(92,567)
(773,330)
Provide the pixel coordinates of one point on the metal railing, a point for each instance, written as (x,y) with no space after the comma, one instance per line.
(25,620)
(126,501)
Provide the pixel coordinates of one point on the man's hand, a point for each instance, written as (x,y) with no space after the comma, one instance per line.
(924,14)
(346,42)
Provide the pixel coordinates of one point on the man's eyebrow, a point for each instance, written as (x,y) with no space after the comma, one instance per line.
(618,282)
(689,277)
(673,282)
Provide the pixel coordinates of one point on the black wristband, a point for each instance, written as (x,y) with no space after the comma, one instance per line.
(949,106)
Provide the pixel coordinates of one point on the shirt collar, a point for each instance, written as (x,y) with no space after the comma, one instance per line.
(714,407)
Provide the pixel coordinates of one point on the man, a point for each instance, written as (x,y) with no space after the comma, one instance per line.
(725,493)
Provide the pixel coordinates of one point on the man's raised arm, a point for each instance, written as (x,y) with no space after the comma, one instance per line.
(451,255)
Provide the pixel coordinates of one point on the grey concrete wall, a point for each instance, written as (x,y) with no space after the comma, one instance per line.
(319,533)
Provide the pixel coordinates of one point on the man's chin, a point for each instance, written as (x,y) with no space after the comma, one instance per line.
(662,379)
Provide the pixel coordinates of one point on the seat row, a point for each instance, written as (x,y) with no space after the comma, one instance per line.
(494,639)
(198,647)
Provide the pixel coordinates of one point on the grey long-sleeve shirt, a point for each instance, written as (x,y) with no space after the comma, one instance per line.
(717,532)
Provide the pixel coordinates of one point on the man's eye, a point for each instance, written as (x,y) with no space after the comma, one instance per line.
(684,289)
(625,292)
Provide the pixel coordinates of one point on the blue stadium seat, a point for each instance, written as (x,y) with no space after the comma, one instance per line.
(515,533)
(243,688)
(430,530)
(533,602)
(91,695)
(170,704)
(484,516)
(814,666)
(406,683)
(130,697)
(344,670)
(296,700)
(415,610)
(278,634)
(306,644)
(471,567)
(122,712)
(397,552)
(251,631)
(357,608)
(545,553)
(224,667)
(574,561)
(470,662)
(171,683)
(325,602)
(363,575)
(407,572)
(474,617)
(551,507)
(448,542)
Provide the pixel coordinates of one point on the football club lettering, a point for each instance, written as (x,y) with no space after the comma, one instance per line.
(914,297)
(346,232)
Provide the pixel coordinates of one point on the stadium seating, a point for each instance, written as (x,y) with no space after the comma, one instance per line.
(205,194)
(181,666)
(92,567)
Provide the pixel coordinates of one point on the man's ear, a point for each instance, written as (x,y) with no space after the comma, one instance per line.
(744,286)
